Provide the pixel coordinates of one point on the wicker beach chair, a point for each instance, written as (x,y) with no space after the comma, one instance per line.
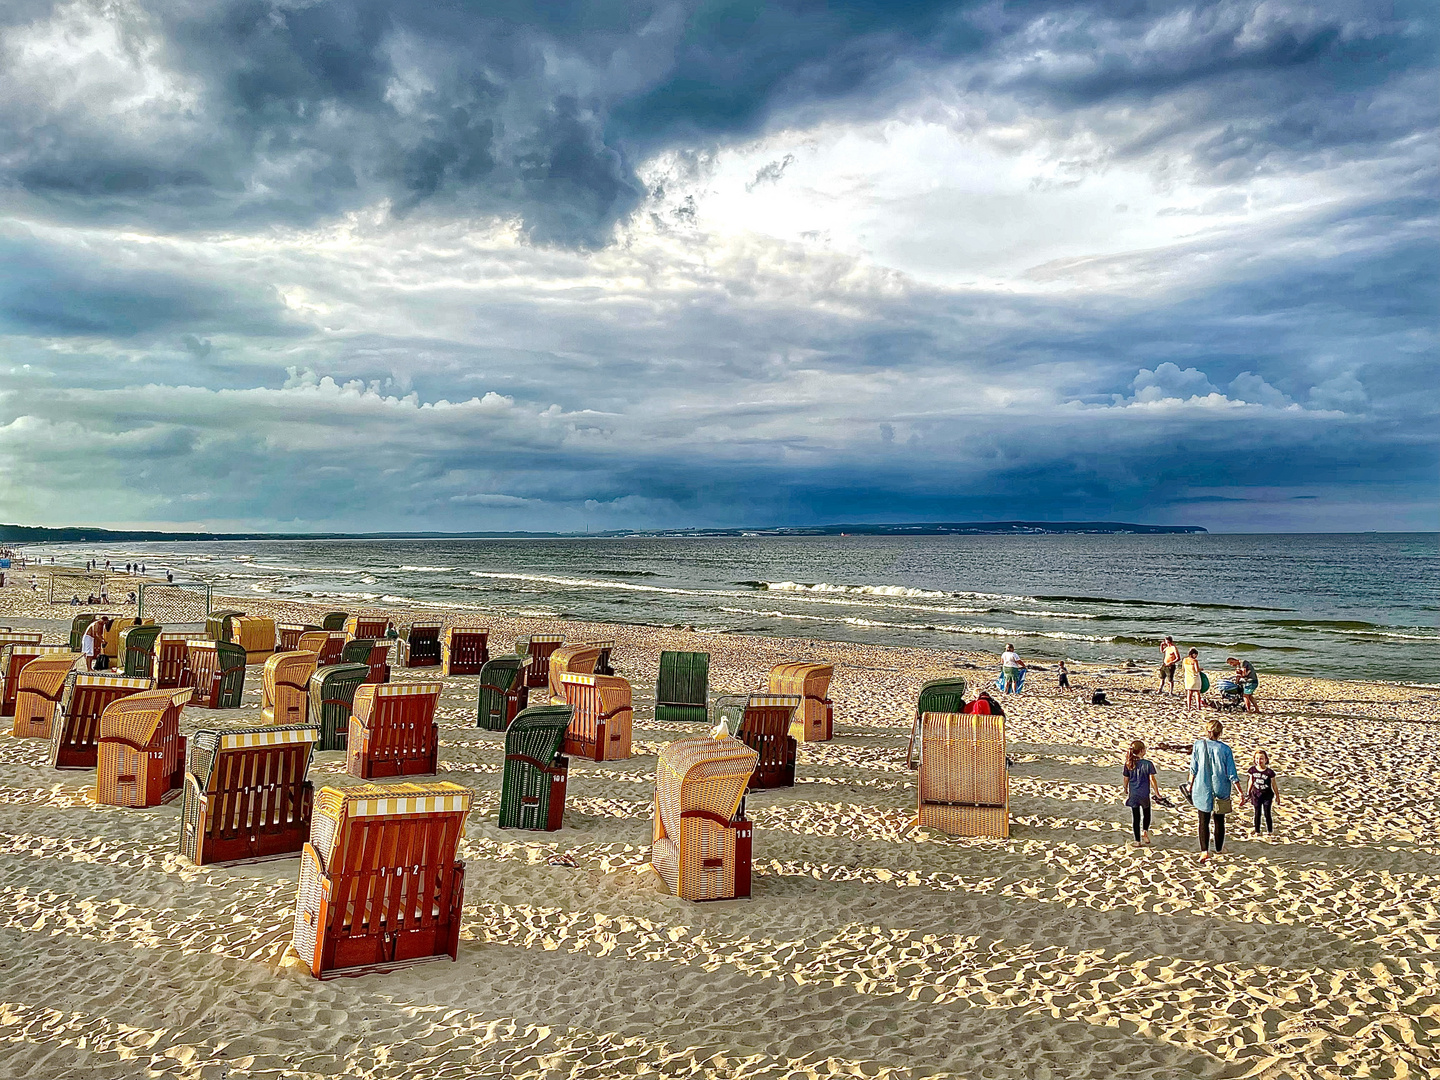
(287,635)
(141,757)
(702,839)
(373,652)
(366,626)
(420,645)
(215,670)
(762,722)
(110,646)
(466,649)
(503,693)
(285,688)
(681,691)
(38,690)
(579,659)
(532,793)
(809,681)
(332,698)
(14,657)
(600,729)
(328,647)
(75,734)
(964,784)
(137,651)
(172,648)
(945,695)
(334,620)
(538,649)
(247,795)
(220,625)
(393,730)
(256,636)
(380,886)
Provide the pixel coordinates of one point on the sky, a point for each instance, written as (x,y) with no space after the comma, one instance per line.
(367,265)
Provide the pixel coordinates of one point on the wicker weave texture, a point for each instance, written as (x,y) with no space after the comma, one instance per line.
(964,784)
(393,730)
(945,695)
(578,659)
(600,728)
(810,682)
(75,733)
(683,686)
(256,635)
(532,793)
(38,690)
(332,698)
(141,757)
(285,688)
(14,657)
(137,650)
(501,692)
(699,784)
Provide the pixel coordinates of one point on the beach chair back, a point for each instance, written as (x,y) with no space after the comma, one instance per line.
(332,698)
(285,688)
(600,728)
(764,726)
(380,885)
(578,659)
(220,625)
(14,656)
(374,653)
(810,682)
(366,626)
(141,757)
(538,648)
(39,687)
(683,687)
(945,695)
(328,646)
(256,635)
(466,649)
(137,650)
(287,635)
(964,787)
(215,670)
(75,733)
(702,840)
(110,646)
(334,620)
(532,793)
(171,650)
(393,730)
(78,625)
(247,794)
(503,692)
(420,645)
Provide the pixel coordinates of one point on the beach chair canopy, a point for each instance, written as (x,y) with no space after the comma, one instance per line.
(698,849)
(256,635)
(15,656)
(809,681)
(285,688)
(945,695)
(141,757)
(538,648)
(502,688)
(137,650)
(764,726)
(577,658)
(216,671)
(220,625)
(465,649)
(333,620)
(332,698)
(171,649)
(683,686)
(532,792)
(38,689)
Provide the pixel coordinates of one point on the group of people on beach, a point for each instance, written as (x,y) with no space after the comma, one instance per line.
(1241,683)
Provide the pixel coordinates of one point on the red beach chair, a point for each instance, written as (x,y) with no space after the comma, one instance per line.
(601,716)
(171,650)
(75,734)
(39,686)
(393,730)
(466,650)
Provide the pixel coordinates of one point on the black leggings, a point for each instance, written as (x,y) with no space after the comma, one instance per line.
(1205,831)
(1263,806)
(1140,819)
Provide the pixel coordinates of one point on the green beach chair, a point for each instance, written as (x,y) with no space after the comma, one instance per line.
(216,670)
(137,651)
(220,625)
(683,687)
(503,693)
(945,695)
(332,694)
(334,620)
(77,630)
(532,794)
(374,652)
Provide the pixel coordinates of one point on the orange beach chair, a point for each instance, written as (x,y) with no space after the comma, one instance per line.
(809,681)
(14,656)
(601,716)
(141,757)
(37,693)
(393,730)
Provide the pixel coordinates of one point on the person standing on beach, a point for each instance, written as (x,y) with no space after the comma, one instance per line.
(1139,783)
(1213,779)
(1010,668)
(90,642)
(1194,679)
(1064,677)
(1262,791)
(1169,657)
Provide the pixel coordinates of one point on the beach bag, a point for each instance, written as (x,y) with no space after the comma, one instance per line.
(1223,806)
(1204,683)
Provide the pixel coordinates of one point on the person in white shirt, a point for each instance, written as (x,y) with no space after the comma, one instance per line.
(1011,665)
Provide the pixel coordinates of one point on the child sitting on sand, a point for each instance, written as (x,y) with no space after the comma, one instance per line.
(1262,791)
(1139,783)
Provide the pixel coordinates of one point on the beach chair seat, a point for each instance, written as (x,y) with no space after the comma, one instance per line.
(537,648)
(945,695)
(215,670)
(762,722)
(810,682)
(247,795)
(420,645)
(465,650)
(137,650)
(393,730)
(75,734)
(287,635)
(141,757)
(503,693)
(600,727)
(172,648)
(285,688)
(373,652)
(366,626)
(220,625)
(39,687)
(334,620)
(532,792)
(14,656)
(701,838)
(332,698)
(964,785)
(380,886)
(578,659)
(256,636)
(683,687)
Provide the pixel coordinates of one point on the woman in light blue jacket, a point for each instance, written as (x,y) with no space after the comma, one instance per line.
(1213,779)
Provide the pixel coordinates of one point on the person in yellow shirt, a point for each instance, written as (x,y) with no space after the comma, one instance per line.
(1169,657)
(1196,681)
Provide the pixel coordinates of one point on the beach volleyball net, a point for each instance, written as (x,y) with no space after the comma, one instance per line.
(178,602)
(66,584)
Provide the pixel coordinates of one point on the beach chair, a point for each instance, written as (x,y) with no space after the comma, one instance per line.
(532,793)
(78,626)
(945,695)
(285,688)
(579,659)
(141,757)
(466,649)
(702,840)
(808,681)
(420,645)
(256,636)
(681,691)
(75,734)
(137,651)
(287,635)
(538,649)
(215,670)
(332,698)
(30,637)
(111,647)
(38,689)
(393,730)
(373,652)
(964,784)
(762,722)
(328,647)
(220,625)
(247,795)
(172,648)
(366,626)
(503,693)
(14,656)
(600,728)
(380,886)
(334,620)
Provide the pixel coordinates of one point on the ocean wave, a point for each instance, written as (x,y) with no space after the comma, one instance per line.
(859,590)
(428,569)
(584,583)
(942,628)
(303,569)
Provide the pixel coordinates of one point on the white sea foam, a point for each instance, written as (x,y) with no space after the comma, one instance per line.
(428,569)
(587,583)
(858,590)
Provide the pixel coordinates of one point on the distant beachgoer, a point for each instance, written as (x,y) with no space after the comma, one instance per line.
(1243,681)
(74,599)
(1011,667)
(1212,780)
(90,642)
(169,577)
(1064,677)
(1262,792)
(1195,679)
(1169,657)
(1139,783)
(90,599)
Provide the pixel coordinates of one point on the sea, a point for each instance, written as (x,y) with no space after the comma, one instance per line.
(1341,606)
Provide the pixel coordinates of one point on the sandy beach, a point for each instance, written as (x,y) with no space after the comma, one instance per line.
(869,948)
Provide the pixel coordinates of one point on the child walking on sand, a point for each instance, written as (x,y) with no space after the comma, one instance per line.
(1139,783)
(1262,791)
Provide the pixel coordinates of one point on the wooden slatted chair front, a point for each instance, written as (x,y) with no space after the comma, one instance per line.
(215,670)
(38,690)
(701,839)
(14,656)
(466,649)
(578,659)
(328,646)
(393,730)
(764,726)
(137,650)
(682,688)
(600,728)
(141,756)
(287,635)
(256,635)
(171,650)
(247,794)
(532,792)
(945,695)
(810,682)
(332,698)
(964,782)
(537,648)
(75,734)
(367,626)
(420,645)
(380,885)
(503,693)
(285,688)
(373,652)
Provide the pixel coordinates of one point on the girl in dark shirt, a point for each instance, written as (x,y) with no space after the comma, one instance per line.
(1139,784)
(1262,791)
